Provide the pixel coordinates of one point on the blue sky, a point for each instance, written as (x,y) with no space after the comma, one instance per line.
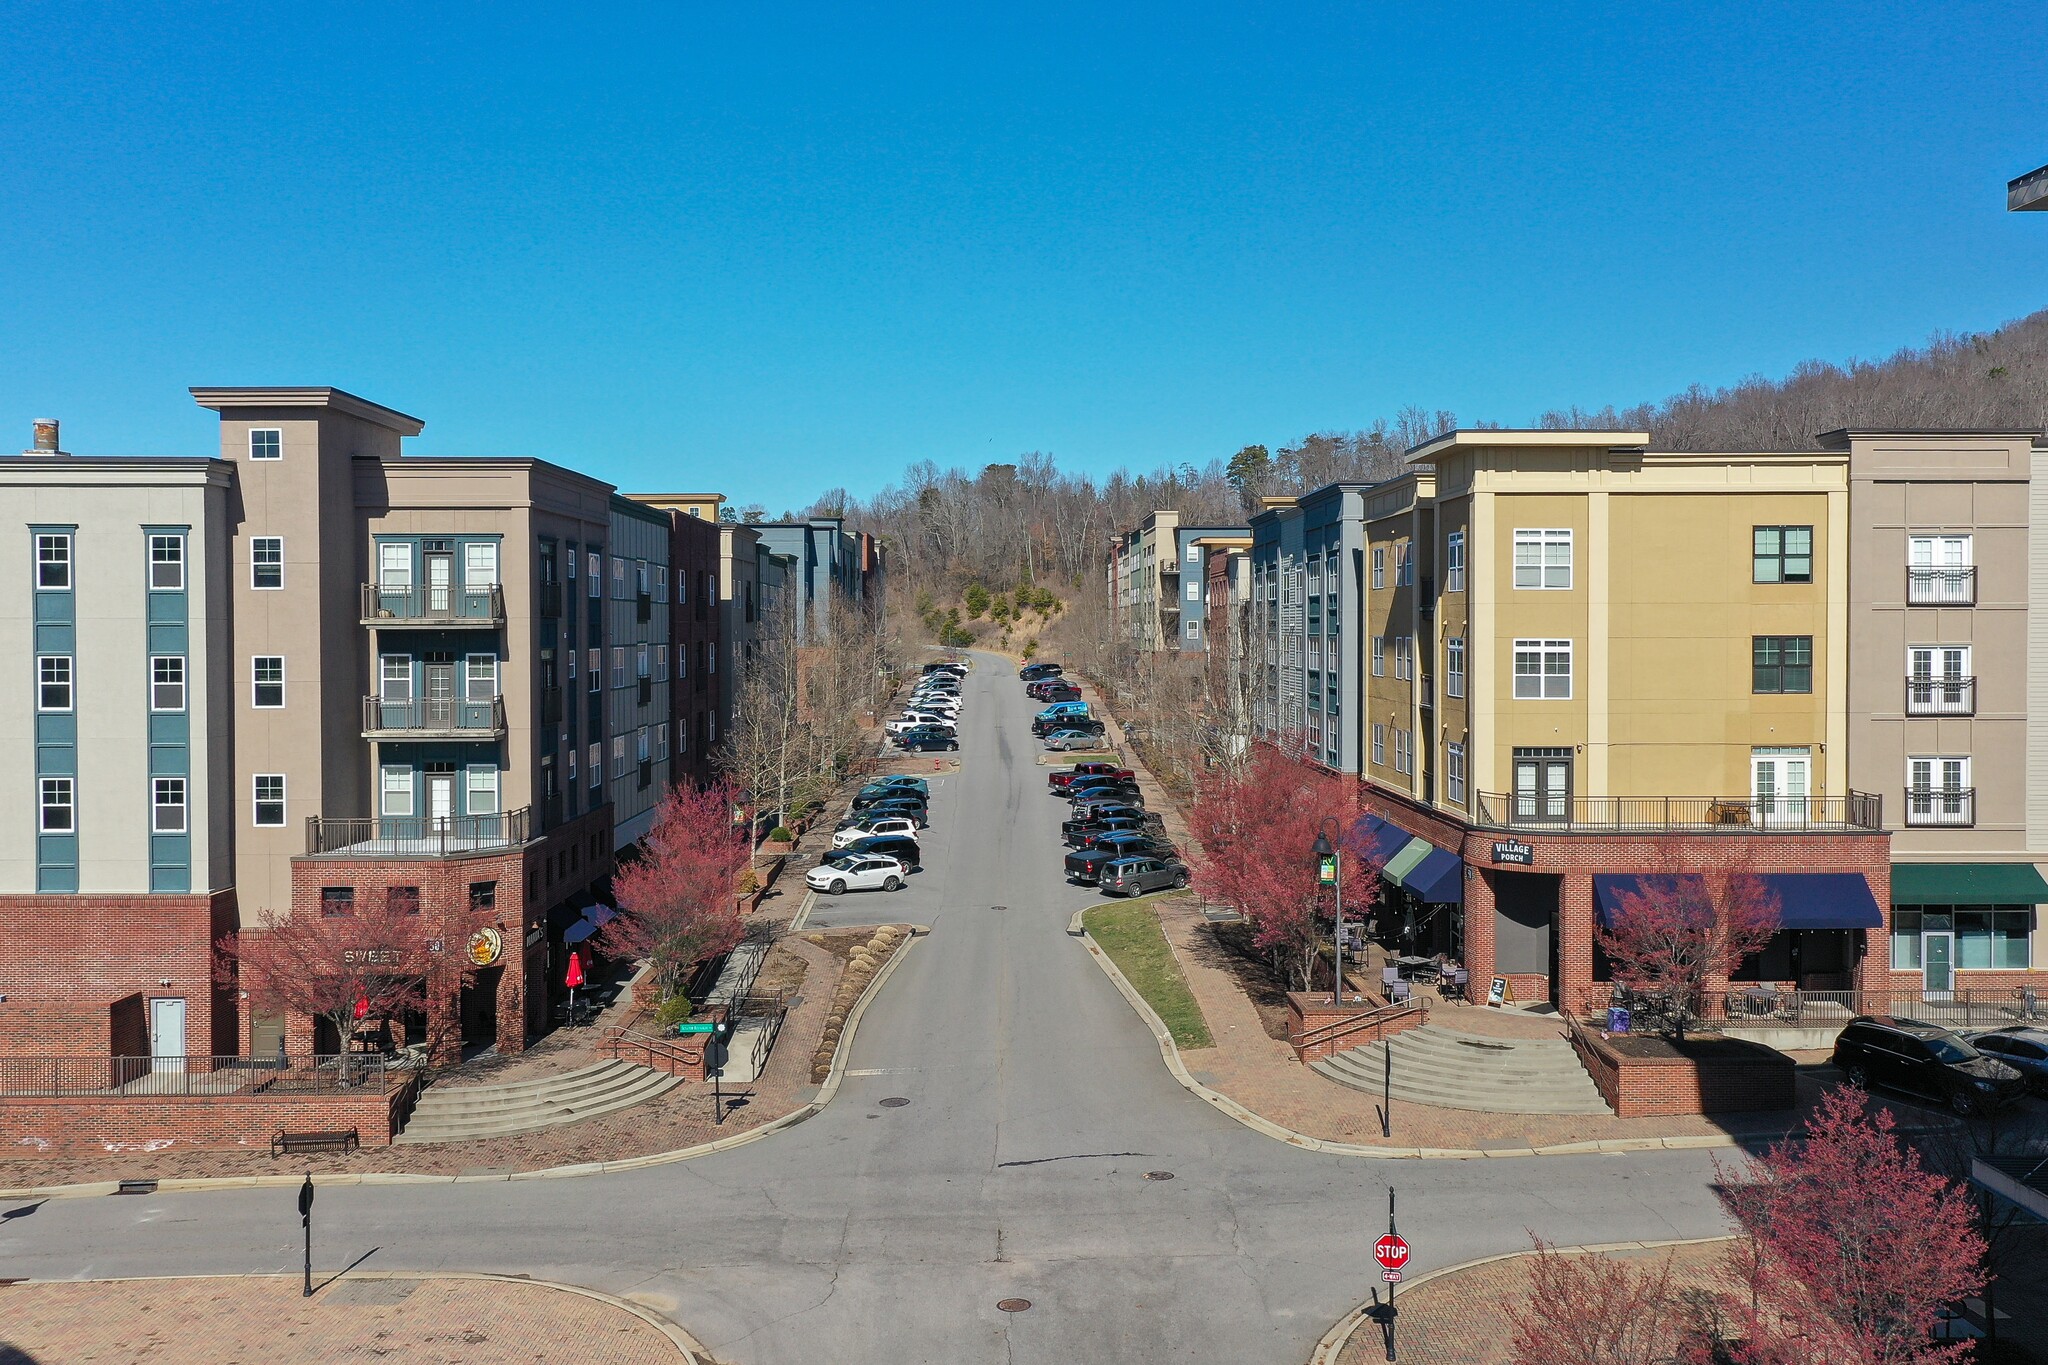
(802,246)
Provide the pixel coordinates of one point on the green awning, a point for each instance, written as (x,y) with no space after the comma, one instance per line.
(1967,884)
(1402,863)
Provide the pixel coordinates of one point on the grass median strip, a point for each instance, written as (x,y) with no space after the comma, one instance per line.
(1129,932)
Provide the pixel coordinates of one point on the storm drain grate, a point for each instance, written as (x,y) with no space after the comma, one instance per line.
(1013,1305)
(894,1102)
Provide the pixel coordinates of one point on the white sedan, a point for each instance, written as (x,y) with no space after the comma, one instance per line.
(894,824)
(843,872)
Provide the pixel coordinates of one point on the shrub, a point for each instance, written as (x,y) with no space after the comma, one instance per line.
(781,835)
(976,599)
(1030,648)
(673,1011)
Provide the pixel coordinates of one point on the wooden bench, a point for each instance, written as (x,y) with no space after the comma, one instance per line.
(323,1140)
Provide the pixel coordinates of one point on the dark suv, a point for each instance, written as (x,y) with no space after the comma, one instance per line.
(1085,865)
(1925,1060)
(1137,876)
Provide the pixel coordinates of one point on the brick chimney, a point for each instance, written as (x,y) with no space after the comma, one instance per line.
(46,442)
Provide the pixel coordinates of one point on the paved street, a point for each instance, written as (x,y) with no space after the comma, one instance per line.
(1037,1104)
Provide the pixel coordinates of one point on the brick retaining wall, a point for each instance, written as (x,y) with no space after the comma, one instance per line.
(1307,1011)
(92,1124)
(1642,1087)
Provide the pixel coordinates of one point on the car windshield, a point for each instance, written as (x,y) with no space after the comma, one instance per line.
(841,860)
(1950,1049)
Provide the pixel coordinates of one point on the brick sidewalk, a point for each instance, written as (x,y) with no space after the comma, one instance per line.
(264,1321)
(1462,1318)
(1260,1073)
(681,1118)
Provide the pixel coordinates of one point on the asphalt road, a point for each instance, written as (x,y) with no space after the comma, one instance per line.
(1037,1103)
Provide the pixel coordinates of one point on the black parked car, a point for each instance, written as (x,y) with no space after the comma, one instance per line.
(1138,876)
(1126,793)
(1085,865)
(906,808)
(2022,1047)
(1041,726)
(1059,692)
(1926,1060)
(1104,819)
(880,792)
(924,737)
(1098,830)
(901,847)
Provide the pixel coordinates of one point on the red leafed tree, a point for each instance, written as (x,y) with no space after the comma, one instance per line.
(1590,1309)
(1852,1247)
(676,899)
(1257,829)
(1683,929)
(374,962)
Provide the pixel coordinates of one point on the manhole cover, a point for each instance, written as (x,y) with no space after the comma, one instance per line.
(894,1102)
(999,907)
(1013,1305)
(1486,1047)
(1159,1175)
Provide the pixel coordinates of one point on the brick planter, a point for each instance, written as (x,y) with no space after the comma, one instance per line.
(1708,1076)
(97,1124)
(1308,1011)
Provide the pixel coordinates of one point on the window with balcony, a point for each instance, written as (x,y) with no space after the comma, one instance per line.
(480,565)
(481,678)
(1781,664)
(1938,681)
(484,790)
(1543,784)
(1782,554)
(1543,559)
(266,562)
(1940,571)
(394,567)
(1543,670)
(1454,562)
(394,789)
(1938,791)
(53,561)
(268,794)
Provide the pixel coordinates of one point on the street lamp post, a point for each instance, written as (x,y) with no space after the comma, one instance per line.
(1330,871)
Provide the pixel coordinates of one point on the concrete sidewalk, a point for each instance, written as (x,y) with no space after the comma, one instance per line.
(264,1320)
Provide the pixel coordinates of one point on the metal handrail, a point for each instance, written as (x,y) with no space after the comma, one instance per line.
(617,1037)
(1768,1005)
(1949,586)
(1938,694)
(310,1075)
(1374,1019)
(1941,807)
(420,602)
(410,836)
(1724,814)
(434,715)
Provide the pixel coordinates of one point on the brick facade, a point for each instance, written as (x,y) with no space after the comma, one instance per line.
(82,969)
(1308,1011)
(1732,1077)
(97,1124)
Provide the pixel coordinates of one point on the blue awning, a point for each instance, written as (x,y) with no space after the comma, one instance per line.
(1806,900)
(1378,839)
(1439,879)
(579,931)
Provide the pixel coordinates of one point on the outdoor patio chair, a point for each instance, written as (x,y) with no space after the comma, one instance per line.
(1402,990)
(1390,976)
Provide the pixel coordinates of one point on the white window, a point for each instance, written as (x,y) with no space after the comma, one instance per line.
(1454,563)
(1938,681)
(167,682)
(643,745)
(640,585)
(661,661)
(1379,743)
(1194,630)
(596,565)
(483,790)
(482,677)
(1543,669)
(1454,772)
(711,658)
(1404,656)
(1379,656)
(58,798)
(167,805)
(266,679)
(661,740)
(1379,566)
(394,678)
(618,665)
(1194,590)
(596,670)
(571,656)
(266,443)
(269,802)
(53,682)
(618,753)
(167,563)
(266,562)
(53,560)
(1938,790)
(1938,571)
(618,579)
(1194,554)
(595,764)
(1454,666)
(570,557)
(1404,563)
(682,661)
(572,767)
(661,586)
(1401,764)
(1543,559)
(1938,552)
(480,565)
(641,666)
(394,566)
(394,789)
(683,738)
(711,727)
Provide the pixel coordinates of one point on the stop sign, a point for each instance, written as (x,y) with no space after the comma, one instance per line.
(1391,1251)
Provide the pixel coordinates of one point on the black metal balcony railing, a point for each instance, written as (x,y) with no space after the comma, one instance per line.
(446,717)
(1941,807)
(1940,696)
(646,691)
(1705,814)
(425,605)
(548,602)
(417,836)
(1949,587)
(643,608)
(551,706)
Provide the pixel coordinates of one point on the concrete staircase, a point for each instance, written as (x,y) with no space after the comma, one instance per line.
(464,1113)
(1452,1070)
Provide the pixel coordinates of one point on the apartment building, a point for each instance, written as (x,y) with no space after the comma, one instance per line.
(1947,672)
(1225,567)
(638,698)
(1158,584)
(695,537)
(837,573)
(1306,566)
(116,863)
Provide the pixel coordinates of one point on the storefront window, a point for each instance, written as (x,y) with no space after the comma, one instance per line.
(1989,939)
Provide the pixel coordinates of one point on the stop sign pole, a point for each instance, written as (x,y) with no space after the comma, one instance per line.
(1391,1251)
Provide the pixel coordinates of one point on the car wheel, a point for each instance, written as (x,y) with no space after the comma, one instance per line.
(1857,1075)
(1180,881)
(838,887)
(892,883)
(1962,1101)
(953,746)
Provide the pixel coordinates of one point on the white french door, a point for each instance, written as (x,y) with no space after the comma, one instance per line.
(1780,781)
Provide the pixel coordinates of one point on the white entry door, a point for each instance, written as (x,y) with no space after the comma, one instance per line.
(440,799)
(167,1035)
(1780,780)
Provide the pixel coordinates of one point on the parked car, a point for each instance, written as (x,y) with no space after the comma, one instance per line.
(1086,725)
(1066,777)
(936,702)
(1105,819)
(876,792)
(843,872)
(911,720)
(1142,875)
(908,808)
(1061,741)
(1030,672)
(901,847)
(1085,865)
(1926,1060)
(945,666)
(916,784)
(2022,1047)
(1062,709)
(1058,692)
(927,740)
(1040,688)
(868,829)
(1106,789)
(1094,831)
